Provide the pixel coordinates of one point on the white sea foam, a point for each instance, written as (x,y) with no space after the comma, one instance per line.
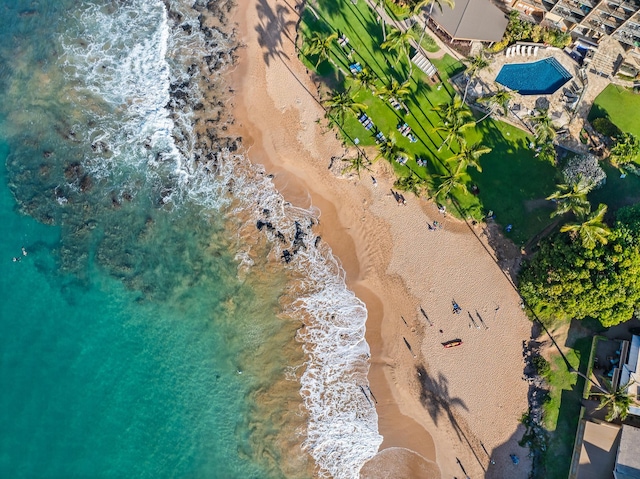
(146,130)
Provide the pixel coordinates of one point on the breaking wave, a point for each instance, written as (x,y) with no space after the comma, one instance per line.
(137,69)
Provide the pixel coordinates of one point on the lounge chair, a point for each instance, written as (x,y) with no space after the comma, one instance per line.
(517,50)
(535,51)
(529,50)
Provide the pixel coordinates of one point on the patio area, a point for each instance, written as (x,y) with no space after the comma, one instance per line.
(610,354)
(568,106)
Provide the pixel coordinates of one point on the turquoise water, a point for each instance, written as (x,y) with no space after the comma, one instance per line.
(97,383)
(534,78)
(152,328)
(125,328)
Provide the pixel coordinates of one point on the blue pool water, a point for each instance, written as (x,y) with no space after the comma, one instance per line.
(535,78)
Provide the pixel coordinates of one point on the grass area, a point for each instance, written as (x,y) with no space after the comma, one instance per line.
(397,12)
(427,43)
(618,192)
(562,411)
(621,106)
(512,178)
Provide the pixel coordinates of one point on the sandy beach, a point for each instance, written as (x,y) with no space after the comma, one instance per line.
(442,412)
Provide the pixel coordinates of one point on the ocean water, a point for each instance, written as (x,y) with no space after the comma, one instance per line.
(151,326)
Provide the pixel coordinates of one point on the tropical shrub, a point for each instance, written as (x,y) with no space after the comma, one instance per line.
(605,127)
(542,365)
(566,280)
(519,29)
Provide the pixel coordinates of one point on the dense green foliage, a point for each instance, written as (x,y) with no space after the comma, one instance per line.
(519,29)
(542,365)
(512,180)
(620,105)
(566,280)
(605,127)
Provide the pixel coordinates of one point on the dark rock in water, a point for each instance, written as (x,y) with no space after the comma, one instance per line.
(317,241)
(27,13)
(187,28)
(262,224)
(298,241)
(266,211)
(73,172)
(287,256)
(86,183)
(127,196)
(47,154)
(281,237)
(44,171)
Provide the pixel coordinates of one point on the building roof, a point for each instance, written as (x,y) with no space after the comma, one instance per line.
(598,450)
(472,20)
(628,460)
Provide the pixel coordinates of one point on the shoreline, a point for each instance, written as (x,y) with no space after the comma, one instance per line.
(425,404)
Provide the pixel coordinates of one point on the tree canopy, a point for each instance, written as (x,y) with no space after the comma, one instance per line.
(566,280)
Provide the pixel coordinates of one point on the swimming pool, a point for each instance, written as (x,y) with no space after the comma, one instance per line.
(535,78)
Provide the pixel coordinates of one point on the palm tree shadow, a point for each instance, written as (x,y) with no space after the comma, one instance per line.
(271,29)
(435,398)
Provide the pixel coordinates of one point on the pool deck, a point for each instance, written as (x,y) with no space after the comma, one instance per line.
(523,105)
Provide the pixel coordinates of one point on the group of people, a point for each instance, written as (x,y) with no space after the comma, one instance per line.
(18,258)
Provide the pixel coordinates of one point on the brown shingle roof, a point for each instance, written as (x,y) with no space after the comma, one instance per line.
(472,20)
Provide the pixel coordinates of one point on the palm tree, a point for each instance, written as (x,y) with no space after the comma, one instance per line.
(398,42)
(572,197)
(617,400)
(319,44)
(366,79)
(625,150)
(499,99)
(592,230)
(341,103)
(454,112)
(394,89)
(456,118)
(357,163)
(478,62)
(412,183)
(380,4)
(469,155)
(543,126)
(389,149)
(449,182)
(453,131)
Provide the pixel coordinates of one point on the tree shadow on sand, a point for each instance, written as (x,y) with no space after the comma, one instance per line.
(271,29)
(435,398)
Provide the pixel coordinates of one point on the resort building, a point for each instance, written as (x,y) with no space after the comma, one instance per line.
(628,458)
(630,373)
(593,24)
(471,20)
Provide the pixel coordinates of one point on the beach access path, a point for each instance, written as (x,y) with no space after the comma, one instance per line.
(440,410)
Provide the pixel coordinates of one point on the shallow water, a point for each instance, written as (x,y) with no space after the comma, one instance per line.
(151,330)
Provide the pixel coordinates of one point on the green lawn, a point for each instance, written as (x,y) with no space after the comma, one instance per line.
(621,106)
(511,179)
(561,412)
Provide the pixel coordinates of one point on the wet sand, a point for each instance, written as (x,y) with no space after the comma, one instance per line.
(435,405)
